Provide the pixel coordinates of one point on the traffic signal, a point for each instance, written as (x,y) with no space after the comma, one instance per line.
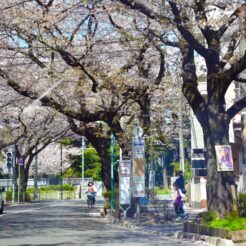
(9,160)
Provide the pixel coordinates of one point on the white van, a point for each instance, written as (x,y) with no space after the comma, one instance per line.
(1,200)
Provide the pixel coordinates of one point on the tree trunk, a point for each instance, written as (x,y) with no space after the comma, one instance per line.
(165,182)
(221,193)
(102,148)
(23,183)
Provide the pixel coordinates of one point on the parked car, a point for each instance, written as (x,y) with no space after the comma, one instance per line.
(1,200)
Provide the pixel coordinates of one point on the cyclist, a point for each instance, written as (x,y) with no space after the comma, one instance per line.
(91,191)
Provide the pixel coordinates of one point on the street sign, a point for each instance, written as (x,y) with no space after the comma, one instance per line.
(124,184)
(138,159)
(20,162)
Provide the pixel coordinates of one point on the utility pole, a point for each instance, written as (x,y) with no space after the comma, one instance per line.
(83,168)
(13,174)
(112,170)
(181,137)
(19,182)
(36,176)
(164,170)
(61,173)
(242,47)
(151,173)
(242,90)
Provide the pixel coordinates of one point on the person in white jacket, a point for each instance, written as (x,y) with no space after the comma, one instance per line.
(91,191)
(178,202)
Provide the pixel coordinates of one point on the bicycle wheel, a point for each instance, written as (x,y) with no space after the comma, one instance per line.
(92,203)
(88,202)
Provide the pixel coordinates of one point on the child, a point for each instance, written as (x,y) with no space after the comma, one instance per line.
(178,202)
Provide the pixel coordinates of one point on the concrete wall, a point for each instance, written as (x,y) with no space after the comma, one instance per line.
(198,194)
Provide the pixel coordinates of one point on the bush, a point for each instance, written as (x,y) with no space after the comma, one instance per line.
(107,196)
(66,187)
(207,217)
(160,191)
(9,196)
(242,204)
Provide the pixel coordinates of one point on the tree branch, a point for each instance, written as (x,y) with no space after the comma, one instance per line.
(237,107)
(241,80)
(142,8)
(73,62)
(232,18)
(231,48)
(187,35)
(235,70)
(162,66)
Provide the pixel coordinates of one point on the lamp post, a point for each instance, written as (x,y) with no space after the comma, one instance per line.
(112,171)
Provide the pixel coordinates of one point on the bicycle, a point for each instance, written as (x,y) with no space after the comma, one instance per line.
(91,199)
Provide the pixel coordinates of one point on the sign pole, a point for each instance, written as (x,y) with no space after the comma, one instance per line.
(138,166)
(125,185)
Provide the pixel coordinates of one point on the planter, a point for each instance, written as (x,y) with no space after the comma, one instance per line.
(235,236)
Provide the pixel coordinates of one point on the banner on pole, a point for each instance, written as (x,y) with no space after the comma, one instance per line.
(124,184)
(224,158)
(138,180)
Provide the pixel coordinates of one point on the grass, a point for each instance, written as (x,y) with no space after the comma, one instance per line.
(230,223)
(160,191)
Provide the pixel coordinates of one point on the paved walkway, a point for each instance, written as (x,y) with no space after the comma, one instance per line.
(165,228)
(172,228)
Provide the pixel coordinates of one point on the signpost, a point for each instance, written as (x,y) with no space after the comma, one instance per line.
(125,185)
(138,166)
(138,181)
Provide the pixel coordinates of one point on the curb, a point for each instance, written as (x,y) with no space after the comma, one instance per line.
(217,241)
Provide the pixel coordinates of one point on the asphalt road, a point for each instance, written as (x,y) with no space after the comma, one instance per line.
(69,223)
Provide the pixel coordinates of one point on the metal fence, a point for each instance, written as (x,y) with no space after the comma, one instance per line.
(50,189)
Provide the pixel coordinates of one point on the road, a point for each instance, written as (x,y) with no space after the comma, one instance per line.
(69,223)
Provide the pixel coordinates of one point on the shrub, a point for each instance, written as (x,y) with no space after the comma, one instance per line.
(9,196)
(107,197)
(242,204)
(208,216)
(66,187)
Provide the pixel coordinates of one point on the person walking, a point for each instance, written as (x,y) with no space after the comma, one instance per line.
(180,182)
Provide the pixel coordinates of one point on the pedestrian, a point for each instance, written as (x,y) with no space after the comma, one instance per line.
(180,181)
(178,202)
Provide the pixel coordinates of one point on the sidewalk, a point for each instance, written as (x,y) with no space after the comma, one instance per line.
(173,229)
(167,228)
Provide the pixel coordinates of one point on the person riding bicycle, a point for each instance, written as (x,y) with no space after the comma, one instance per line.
(91,191)
(178,202)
